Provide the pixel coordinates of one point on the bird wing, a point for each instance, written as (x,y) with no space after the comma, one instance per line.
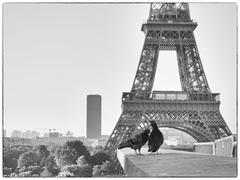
(150,139)
(136,139)
(155,140)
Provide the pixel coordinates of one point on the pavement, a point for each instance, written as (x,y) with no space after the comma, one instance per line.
(172,163)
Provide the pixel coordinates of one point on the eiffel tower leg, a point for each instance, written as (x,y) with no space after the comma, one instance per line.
(122,131)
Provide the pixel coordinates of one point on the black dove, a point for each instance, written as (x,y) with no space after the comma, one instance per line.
(136,142)
(155,139)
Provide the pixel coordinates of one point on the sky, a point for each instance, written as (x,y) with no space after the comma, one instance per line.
(57,54)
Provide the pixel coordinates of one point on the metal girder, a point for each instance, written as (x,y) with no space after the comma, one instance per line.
(169,12)
(203,124)
(191,71)
(194,110)
(146,68)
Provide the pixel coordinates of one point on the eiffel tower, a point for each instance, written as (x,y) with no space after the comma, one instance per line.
(194,110)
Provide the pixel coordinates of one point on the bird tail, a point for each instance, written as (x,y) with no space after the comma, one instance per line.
(124,145)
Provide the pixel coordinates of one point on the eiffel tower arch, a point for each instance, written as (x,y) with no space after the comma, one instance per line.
(195,109)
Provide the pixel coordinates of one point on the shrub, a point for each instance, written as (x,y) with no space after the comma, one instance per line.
(99,158)
(7,171)
(75,171)
(30,171)
(29,158)
(11,155)
(69,152)
(97,149)
(82,169)
(106,169)
(46,173)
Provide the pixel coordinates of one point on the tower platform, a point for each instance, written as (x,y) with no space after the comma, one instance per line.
(172,163)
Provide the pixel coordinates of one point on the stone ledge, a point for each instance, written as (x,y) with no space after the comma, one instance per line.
(172,163)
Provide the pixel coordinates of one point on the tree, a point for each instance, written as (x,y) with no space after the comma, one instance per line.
(65,156)
(11,155)
(25,174)
(97,149)
(82,169)
(75,171)
(79,147)
(46,173)
(30,171)
(97,171)
(69,152)
(50,167)
(41,150)
(7,171)
(106,169)
(29,158)
(99,158)
(81,161)
(53,149)
(42,153)
(50,162)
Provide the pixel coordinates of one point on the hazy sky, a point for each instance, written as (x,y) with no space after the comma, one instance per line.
(57,54)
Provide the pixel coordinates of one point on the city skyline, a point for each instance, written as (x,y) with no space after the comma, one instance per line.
(52,61)
(34,133)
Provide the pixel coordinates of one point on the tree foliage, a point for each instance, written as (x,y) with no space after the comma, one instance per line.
(27,159)
(7,171)
(28,171)
(99,158)
(11,155)
(81,161)
(81,169)
(97,149)
(75,171)
(50,166)
(69,152)
(49,173)
(71,159)
(42,153)
(106,169)
(50,162)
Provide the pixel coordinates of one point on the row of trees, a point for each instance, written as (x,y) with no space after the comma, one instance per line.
(69,160)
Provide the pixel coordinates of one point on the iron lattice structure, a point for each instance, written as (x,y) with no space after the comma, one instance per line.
(194,110)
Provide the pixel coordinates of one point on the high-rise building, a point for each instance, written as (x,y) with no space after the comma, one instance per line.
(94,111)
(35,134)
(69,134)
(46,135)
(16,134)
(54,135)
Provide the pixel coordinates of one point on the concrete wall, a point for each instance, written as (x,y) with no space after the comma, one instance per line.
(172,163)
(206,148)
(224,146)
(130,168)
(220,147)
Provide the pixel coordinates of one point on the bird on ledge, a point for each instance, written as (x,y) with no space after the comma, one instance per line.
(155,139)
(136,142)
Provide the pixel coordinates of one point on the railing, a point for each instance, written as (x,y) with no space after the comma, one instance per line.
(170,95)
(179,21)
(169,41)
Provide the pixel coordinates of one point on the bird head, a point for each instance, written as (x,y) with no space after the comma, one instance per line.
(152,122)
(153,125)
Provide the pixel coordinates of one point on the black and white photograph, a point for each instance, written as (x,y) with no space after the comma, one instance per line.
(119,89)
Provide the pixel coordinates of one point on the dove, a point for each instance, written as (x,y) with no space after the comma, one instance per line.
(155,139)
(136,142)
